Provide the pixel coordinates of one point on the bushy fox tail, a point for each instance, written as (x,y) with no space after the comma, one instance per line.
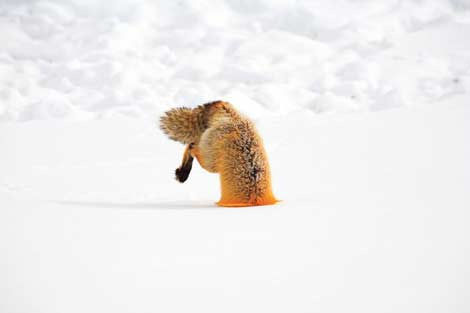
(184,124)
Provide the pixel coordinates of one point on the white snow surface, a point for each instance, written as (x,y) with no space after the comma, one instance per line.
(83,59)
(374,218)
(364,110)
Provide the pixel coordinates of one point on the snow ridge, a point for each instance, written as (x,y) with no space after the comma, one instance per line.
(86,59)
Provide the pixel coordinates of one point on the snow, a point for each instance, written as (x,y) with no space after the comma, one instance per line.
(363,107)
(81,60)
(374,217)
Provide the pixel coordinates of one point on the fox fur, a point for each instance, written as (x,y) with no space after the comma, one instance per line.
(225,142)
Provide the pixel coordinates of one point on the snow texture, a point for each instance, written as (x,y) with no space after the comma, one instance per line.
(364,110)
(86,59)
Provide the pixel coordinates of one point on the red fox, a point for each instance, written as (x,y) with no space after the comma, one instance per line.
(225,142)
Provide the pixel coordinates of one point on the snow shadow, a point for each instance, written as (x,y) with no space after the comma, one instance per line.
(174,205)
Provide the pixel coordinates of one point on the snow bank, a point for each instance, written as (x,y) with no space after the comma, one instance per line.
(89,59)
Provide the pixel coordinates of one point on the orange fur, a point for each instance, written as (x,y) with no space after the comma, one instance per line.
(225,142)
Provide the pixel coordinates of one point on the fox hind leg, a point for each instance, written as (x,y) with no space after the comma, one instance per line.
(182,172)
(206,160)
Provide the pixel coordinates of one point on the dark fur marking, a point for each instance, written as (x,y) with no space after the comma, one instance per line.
(254,172)
(183,171)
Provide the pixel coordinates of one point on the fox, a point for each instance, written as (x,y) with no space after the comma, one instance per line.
(226,142)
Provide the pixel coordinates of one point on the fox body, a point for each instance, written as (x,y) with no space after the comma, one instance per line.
(225,142)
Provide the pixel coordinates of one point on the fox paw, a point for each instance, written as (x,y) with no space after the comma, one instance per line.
(181,174)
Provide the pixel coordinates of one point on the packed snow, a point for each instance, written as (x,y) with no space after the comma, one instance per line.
(364,110)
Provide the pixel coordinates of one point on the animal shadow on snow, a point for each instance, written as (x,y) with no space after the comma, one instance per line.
(169,205)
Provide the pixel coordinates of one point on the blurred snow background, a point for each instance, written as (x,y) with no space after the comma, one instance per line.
(81,59)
